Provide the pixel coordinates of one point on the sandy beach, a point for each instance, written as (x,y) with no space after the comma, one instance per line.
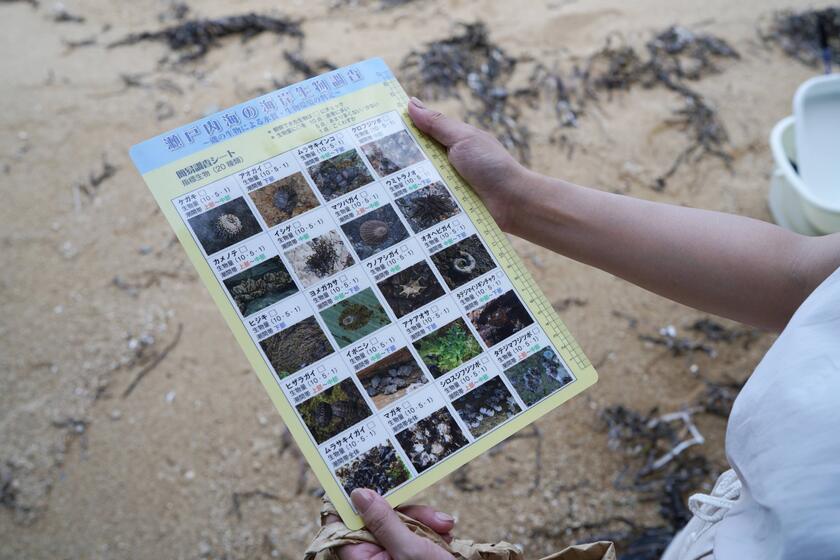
(131,425)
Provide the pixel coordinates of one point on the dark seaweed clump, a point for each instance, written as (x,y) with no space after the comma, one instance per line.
(323,258)
(194,38)
(469,60)
(296,347)
(806,35)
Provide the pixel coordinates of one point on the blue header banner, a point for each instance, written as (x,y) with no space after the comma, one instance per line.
(229,123)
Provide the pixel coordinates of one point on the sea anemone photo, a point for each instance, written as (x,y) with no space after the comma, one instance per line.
(340,174)
(428,206)
(500,318)
(260,286)
(447,348)
(224,225)
(284,199)
(463,261)
(410,289)
(355,317)
(334,410)
(375,231)
(392,153)
(320,258)
(296,347)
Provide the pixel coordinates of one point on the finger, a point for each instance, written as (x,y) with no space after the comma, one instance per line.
(382,521)
(438,521)
(364,551)
(445,130)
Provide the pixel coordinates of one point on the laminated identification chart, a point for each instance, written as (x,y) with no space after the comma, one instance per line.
(385,313)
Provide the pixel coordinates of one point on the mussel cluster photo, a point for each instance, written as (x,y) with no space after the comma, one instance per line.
(379,469)
(260,286)
(486,407)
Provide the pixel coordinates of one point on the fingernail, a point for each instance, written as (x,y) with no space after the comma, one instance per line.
(444,517)
(362,498)
(417,103)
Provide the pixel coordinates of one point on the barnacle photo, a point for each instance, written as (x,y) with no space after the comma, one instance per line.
(320,258)
(447,348)
(431,439)
(379,469)
(500,318)
(486,406)
(340,174)
(428,206)
(296,347)
(355,317)
(463,261)
(375,231)
(538,375)
(392,153)
(224,225)
(260,286)
(411,288)
(334,410)
(391,378)
(284,199)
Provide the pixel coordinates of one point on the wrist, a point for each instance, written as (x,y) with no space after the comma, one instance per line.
(530,196)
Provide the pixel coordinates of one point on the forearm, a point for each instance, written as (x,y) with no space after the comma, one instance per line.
(732,266)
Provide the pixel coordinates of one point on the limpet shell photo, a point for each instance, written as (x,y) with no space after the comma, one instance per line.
(296,347)
(334,410)
(427,206)
(486,407)
(260,286)
(463,261)
(392,153)
(431,439)
(539,375)
(284,199)
(375,231)
(410,289)
(340,174)
(391,378)
(355,317)
(379,469)
(320,258)
(500,318)
(224,225)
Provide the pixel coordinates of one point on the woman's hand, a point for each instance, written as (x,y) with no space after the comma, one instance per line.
(478,156)
(398,542)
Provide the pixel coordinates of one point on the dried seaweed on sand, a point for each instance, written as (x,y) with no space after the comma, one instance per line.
(808,36)
(194,38)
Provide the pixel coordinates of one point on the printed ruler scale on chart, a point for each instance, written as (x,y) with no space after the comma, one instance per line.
(387,316)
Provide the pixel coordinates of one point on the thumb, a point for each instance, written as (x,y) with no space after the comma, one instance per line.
(444,129)
(381,520)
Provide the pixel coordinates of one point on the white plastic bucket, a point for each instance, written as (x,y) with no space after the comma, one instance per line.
(792,204)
